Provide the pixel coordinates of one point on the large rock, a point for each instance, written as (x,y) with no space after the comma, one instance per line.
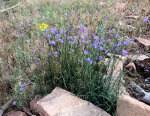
(62,103)
(127,106)
(15,113)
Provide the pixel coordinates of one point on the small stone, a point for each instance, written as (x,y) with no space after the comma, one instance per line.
(16,113)
(131,67)
(127,106)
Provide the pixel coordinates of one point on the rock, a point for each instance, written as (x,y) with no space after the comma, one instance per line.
(127,106)
(15,113)
(132,57)
(131,67)
(143,67)
(144,43)
(62,103)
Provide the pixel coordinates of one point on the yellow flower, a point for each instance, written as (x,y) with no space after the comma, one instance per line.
(98,19)
(43,26)
(56,25)
(81,8)
(53,12)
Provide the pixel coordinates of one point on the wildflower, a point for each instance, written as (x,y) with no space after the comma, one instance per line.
(71,31)
(105,18)
(108,40)
(61,32)
(54,12)
(81,27)
(113,45)
(21,89)
(92,34)
(88,59)
(72,50)
(101,43)
(77,36)
(91,62)
(110,31)
(145,19)
(126,42)
(52,42)
(38,63)
(44,39)
(29,24)
(85,52)
(82,38)
(43,26)
(48,35)
(68,28)
(64,35)
(56,25)
(86,42)
(117,48)
(124,52)
(96,37)
(95,45)
(70,42)
(34,50)
(49,54)
(42,50)
(66,15)
(101,48)
(100,57)
(137,52)
(117,36)
(132,39)
(56,54)
(119,43)
(35,58)
(107,51)
(98,20)
(81,8)
(61,40)
(14,102)
(86,36)
(22,85)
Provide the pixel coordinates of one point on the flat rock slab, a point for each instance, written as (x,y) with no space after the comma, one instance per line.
(127,106)
(63,103)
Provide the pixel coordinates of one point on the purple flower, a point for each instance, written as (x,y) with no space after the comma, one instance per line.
(101,48)
(77,36)
(61,40)
(14,102)
(96,41)
(86,36)
(52,42)
(71,31)
(48,35)
(132,39)
(42,50)
(110,31)
(22,85)
(108,40)
(92,34)
(113,45)
(61,32)
(91,62)
(119,43)
(95,45)
(137,52)
(101,43)
(88,59)
(34,50)
(96,37)
(21,89)
(117,36)
(85,52)
(29,24)
(107,51)
(38,63)
(81,27)
(66,15)
(145,19)
(100,57)
(126,42)
(68,28)
(86,42)
(52,31)
(64,35)
(117,48)
(44,39)
(124,52)
(49,54)
(82,38)
(105,18)
(73,50)
(35,58)
(70,42)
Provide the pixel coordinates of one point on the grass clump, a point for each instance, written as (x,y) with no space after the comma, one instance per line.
(63,45)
